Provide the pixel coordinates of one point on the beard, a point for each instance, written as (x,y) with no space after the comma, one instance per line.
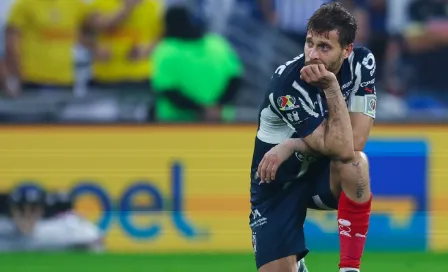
(332,66)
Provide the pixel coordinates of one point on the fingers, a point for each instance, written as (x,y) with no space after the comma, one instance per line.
(322,68)
(263,169)
(273,170)
(267,168)
(315,71)
(304,74)
(310,73)
(268,171)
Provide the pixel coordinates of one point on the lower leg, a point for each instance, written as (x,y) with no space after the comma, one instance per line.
(353,209)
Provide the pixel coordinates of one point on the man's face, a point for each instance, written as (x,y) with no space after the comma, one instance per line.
(325,49)
(26,217)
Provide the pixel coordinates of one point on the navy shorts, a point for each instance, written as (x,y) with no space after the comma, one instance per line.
(321,197)
(277,223)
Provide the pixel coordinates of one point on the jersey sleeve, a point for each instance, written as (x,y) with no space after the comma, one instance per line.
(363,98)
(300,108)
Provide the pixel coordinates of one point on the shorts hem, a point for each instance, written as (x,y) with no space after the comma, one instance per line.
(300,255)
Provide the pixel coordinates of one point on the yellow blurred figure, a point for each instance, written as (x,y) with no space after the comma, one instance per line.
(41,35)
(126,32)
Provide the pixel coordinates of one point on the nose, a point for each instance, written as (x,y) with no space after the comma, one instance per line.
(314,54)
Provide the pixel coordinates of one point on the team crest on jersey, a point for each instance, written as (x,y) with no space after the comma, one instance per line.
(372,104)
(287,102)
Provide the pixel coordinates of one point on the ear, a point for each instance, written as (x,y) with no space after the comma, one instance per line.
(348,50)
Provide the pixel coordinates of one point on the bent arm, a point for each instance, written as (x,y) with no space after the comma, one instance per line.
(361,125)
(12,52)
(334,137)
(100,22)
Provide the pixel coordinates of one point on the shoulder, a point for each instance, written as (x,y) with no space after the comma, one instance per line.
(19,6)
(166,49)
(213,39)
(290,94)
(153,4)
(364,56)
(362,63)
(287,73)
(286,79)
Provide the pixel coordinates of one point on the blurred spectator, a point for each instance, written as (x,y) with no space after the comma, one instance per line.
(40,38)
(396,72)
(5,6)
(291,16)
(397,16)
(427,42)
(378,34)
(34,220)
(255,10)
(195,73)
(216,13)
(362,18)
(126,32)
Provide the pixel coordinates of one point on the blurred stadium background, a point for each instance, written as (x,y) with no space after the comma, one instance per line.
(127,129)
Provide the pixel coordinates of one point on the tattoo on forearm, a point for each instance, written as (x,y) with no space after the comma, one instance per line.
(335,109)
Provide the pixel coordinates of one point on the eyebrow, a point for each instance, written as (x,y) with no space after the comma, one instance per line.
(324,43)
(308,38)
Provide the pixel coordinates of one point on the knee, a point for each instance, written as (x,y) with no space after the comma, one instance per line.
(353,176)
(359,161)
(289,264)
(362,157)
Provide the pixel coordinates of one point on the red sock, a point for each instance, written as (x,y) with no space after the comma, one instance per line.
(353,223)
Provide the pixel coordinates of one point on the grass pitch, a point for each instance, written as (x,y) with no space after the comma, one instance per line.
(316,262)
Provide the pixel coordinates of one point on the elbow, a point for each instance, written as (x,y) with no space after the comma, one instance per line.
(347,153)
(346,156)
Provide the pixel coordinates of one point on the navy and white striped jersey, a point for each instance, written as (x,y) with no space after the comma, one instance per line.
(294,109)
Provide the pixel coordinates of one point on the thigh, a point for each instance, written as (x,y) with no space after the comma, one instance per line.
(287,264)
(277,228)
(323,195)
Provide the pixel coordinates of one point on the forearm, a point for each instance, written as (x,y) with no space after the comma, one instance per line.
(360,135)
(299,145)
(12,60)
(182,101)
(338,135)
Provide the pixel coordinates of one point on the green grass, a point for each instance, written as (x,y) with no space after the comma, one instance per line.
(316,262)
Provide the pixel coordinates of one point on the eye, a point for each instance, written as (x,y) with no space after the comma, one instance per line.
(309,43)
(325,47)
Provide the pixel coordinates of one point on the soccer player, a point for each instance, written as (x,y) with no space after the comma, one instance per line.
(34,220)
(320,106)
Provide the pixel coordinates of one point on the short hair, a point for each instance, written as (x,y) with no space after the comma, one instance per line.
(334,16)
